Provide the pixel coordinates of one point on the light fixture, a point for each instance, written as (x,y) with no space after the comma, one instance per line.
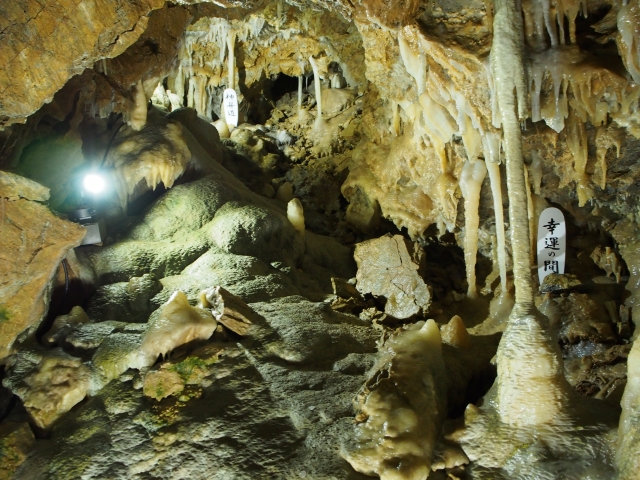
(93,183)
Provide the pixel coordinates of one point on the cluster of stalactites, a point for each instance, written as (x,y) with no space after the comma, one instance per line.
(629,38)
(580,85)
(206,45)
(544,20)
(444,110)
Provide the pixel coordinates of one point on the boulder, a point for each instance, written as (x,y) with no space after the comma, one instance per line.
(49,384)
(14,186)
(388,267)
(33,242)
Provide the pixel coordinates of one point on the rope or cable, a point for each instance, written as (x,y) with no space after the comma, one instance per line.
(104,158)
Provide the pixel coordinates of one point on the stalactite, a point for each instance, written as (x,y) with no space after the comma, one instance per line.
(496,190)
(577,143)
(318,88)
(231,41)
(471,178)
(543,15)
(536,171)
(629,39)
(138,114)
(580,84)
(605,139)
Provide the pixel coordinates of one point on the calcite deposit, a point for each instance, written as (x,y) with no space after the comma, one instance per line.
(332,278)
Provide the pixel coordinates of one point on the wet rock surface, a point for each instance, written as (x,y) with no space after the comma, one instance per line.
(33,243)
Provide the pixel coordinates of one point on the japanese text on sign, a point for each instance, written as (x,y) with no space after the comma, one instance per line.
(230,106)
(552,242)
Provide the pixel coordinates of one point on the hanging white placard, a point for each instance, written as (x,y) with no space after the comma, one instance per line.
(552,242)
(230,104)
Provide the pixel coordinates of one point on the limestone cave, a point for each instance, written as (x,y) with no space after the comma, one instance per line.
(320,239)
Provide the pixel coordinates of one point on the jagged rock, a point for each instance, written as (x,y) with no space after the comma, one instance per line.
(387,267)
(581,318)
(57,44)
(228,309)
(48,383)
(63,323)
(89,336)
(347,297)
(13,187)
(608,260)
(116,354)
(33,243)
(16,440)
(130,301)
(556,282)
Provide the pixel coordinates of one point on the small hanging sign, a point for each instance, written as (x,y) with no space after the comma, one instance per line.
(552,243)
(230,103)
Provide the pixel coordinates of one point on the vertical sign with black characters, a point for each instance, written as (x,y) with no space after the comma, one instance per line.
(230,104)
(552,243)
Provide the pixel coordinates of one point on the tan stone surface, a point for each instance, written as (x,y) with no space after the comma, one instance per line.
(33,242)
(58,382)
(162,383)
(15,441)
(46,43)
(386,267)
(229,310)
(14,186)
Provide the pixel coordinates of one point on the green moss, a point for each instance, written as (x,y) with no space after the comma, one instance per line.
(160,391)
(4,314)
(192,369)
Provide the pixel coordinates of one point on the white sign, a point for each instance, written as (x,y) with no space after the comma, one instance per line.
(552,243)
(230,104)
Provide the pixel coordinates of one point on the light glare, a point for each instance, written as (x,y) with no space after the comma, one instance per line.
(93,183)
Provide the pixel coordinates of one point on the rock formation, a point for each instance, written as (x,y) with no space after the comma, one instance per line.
(331,287)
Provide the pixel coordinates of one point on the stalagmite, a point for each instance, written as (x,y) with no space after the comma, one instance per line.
(402,406)
(471,178)
(295,214)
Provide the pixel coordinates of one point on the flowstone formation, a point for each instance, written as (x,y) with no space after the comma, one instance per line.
(340,286)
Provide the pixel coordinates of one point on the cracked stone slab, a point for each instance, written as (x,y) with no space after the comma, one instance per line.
(389,267)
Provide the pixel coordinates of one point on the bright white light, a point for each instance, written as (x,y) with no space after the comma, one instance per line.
(93,183)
